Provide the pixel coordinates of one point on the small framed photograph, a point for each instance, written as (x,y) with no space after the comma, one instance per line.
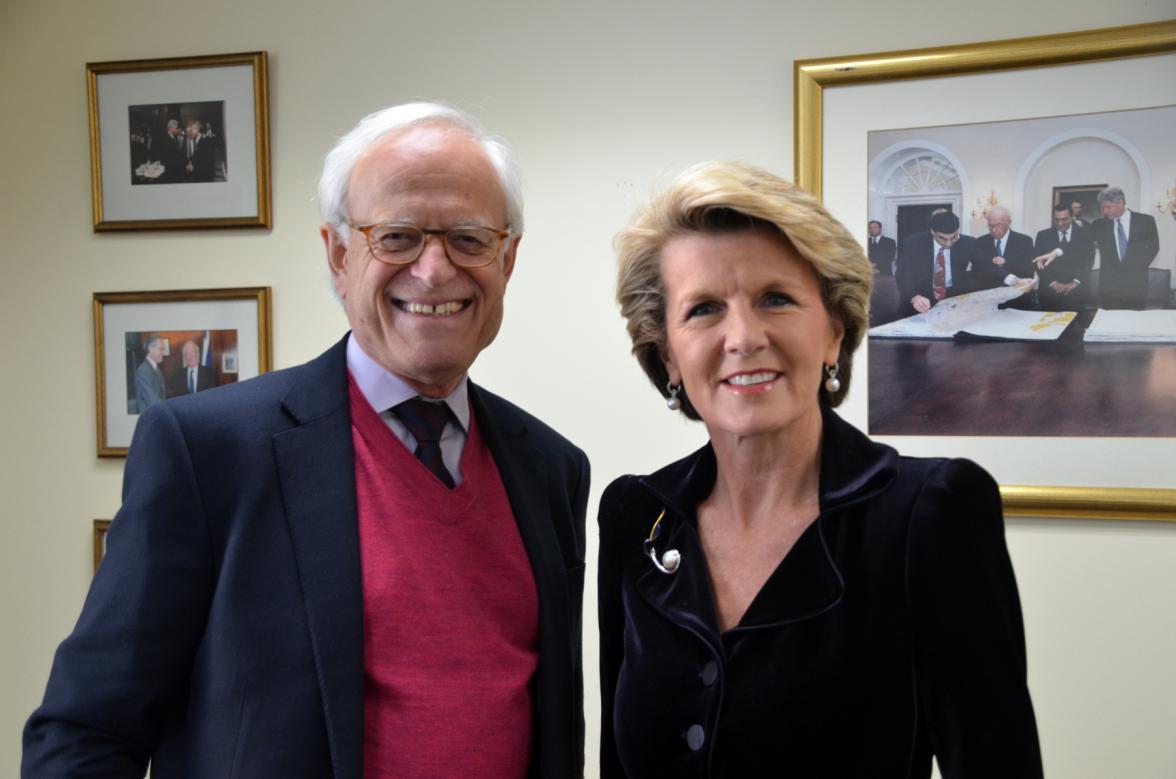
(100,528)
(151,346)
(180,143)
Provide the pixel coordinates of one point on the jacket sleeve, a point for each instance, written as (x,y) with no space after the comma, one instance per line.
(579,517)
(120,677)
(611,616)
(969,641)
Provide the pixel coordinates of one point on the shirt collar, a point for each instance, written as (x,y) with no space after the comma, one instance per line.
(384,390)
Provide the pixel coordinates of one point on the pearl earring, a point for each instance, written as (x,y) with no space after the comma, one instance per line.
(832,383)
(672,402)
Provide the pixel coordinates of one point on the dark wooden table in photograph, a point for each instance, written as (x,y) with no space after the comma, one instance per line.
(1022,388)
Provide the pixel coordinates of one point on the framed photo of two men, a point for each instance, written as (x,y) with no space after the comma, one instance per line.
(152,346)
(1018,201)
(180,143)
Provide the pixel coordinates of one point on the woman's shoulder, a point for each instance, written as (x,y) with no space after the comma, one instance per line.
(951,475)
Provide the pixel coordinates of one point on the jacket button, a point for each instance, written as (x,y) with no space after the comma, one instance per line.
(695,736)
(709,673)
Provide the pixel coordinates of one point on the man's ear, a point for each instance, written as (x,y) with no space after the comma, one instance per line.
(508,255)
(336,257)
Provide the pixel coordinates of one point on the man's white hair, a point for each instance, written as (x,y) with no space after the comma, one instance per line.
(340,161)
(1000,212)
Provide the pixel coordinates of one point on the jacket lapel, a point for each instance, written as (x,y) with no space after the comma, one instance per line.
(316,471)
(807,582)
(524,477)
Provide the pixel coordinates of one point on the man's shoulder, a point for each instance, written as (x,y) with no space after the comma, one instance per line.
(916,240)
(1143,218)
(253,401)
(508,414)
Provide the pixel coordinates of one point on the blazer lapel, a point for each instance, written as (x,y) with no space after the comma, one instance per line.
(524,478)
(316,471)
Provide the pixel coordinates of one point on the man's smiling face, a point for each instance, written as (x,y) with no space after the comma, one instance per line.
(426,321)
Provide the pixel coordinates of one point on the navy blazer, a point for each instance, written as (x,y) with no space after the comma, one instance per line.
(223,633)
(890,632)
(1122,281)
(1018,259)
(916,269)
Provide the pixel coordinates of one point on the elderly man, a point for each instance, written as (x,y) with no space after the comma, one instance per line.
(1127,243)
(150,385)
(191,377)
(172,152)
(366,565)
(1065,255)
(934,265)
(1003,256)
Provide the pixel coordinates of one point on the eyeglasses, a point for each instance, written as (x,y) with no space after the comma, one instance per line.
(467,246)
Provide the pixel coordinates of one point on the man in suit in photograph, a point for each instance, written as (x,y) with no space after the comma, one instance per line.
(150,385)
(882,250)
(172,152)
(1065,255)
(366,565)
(1076,214)
(191,377)
(199,163)
(934,265)
(1127,243)
(1004,257)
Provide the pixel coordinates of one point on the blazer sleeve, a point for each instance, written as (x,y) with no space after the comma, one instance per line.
(969,641)
(121,675)
(611,617)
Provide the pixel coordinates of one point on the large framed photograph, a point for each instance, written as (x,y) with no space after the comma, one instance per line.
(151,346)
(180,143)
(1042,370)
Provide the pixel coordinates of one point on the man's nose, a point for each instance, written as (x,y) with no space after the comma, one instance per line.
(434,268)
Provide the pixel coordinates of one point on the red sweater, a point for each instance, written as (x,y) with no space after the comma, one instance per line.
(450,613)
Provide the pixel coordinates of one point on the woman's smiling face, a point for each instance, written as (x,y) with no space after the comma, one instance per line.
(747,333)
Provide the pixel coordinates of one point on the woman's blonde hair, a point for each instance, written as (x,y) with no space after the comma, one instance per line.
(723,197)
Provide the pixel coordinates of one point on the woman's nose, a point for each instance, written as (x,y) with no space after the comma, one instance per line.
(746,333)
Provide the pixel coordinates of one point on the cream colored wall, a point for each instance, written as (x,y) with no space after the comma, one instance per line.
(600,102)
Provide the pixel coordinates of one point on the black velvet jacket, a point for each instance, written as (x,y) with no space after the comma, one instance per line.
(890,632)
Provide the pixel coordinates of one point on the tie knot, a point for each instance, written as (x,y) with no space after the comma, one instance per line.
(426,421)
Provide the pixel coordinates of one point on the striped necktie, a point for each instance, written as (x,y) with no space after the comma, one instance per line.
(426,421)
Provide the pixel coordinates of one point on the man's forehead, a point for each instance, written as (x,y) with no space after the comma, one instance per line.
(427,158)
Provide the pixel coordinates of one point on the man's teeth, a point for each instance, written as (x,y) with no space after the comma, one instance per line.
(746,379)
(440,309)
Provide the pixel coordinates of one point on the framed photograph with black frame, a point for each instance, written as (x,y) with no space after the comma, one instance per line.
(180,143)
(841,101)
(151,346)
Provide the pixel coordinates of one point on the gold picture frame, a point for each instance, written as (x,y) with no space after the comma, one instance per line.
(812,77)
(142,180)
(100,528)
(144,342)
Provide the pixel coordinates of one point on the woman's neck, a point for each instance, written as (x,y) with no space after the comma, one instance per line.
(768,475)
